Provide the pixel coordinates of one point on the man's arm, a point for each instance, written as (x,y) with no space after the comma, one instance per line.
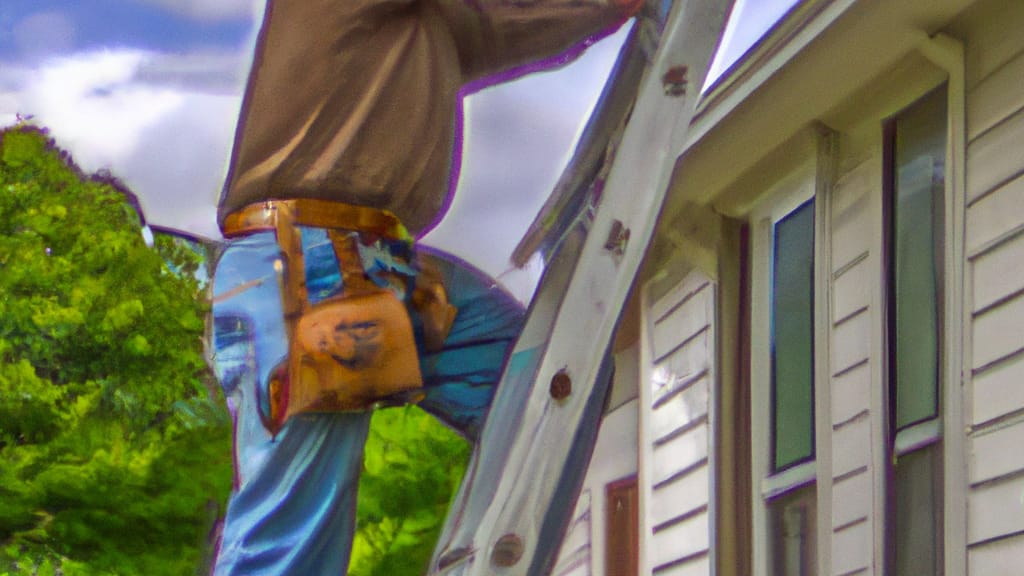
(497,36)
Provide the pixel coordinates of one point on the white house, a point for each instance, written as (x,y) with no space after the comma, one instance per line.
(822,367)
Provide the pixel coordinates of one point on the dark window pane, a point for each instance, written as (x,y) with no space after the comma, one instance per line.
(792,525)
(918,521)
(917,247)
(793,338)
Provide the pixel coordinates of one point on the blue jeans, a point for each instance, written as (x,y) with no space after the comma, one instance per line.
(292,509)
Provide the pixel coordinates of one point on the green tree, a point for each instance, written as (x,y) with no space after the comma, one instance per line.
(105,466)
(411,470)
(115,452)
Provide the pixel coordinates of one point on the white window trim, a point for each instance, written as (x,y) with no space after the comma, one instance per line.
(788,480)
(947,55)
(918,436)
(813,179)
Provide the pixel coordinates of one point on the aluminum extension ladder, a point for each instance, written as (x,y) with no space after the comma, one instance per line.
(519,490)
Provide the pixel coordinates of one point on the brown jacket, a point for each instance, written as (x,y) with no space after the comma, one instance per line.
(356,100)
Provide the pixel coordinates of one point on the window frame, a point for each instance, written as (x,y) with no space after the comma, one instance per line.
(776,470)
(806,182)
(929,433)
(863,146)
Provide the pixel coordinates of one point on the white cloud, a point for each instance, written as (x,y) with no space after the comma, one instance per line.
(206,71)
(517,140)
(210,10)
(115,110)
(92,105)
(179,165)
(164,124)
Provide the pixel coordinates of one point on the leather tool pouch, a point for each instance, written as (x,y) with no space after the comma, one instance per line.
(430,301)
(351,352)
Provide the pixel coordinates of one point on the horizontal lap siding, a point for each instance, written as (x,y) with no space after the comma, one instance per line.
(574,557)
(854,275)
(995,216)
(995,511)
(851,290)
(997,454)
(998,557)
(682,322)
(994,245)
(682,349)
(686,539)
(851,549)
(848,496)
(998,391)
(851,219)
(852,530)
(686,492)
(679,455)
(999,333)
(699,566)
(851,343)
(851,450)
(998,274)
(998,97)
(993,158)
(851,394)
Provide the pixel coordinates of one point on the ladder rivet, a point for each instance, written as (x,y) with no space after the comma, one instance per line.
(561,385)
(507,551)
(676,80)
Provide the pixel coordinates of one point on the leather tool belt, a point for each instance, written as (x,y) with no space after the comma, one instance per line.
(356,350)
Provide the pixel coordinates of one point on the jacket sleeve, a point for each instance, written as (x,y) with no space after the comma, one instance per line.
(497,36)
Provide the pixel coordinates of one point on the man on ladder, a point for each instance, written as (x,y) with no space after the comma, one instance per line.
(323,307)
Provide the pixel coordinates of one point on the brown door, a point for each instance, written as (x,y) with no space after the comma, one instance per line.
(622,543)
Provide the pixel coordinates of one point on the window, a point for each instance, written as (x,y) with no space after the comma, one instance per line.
(915,189)
(793,339)
(789,489)
(792,525)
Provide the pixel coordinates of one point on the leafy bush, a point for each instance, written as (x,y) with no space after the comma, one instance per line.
(411,470)
(99,342)
(115,457)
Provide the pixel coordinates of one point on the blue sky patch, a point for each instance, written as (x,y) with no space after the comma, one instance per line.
(33,28)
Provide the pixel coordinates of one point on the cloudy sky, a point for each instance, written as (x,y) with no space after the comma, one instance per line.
(150,90)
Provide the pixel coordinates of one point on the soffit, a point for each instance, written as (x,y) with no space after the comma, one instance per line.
(796,80)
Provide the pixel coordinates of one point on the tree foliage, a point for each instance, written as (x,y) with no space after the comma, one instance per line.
(411,470)
(105,465)
(115,453)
